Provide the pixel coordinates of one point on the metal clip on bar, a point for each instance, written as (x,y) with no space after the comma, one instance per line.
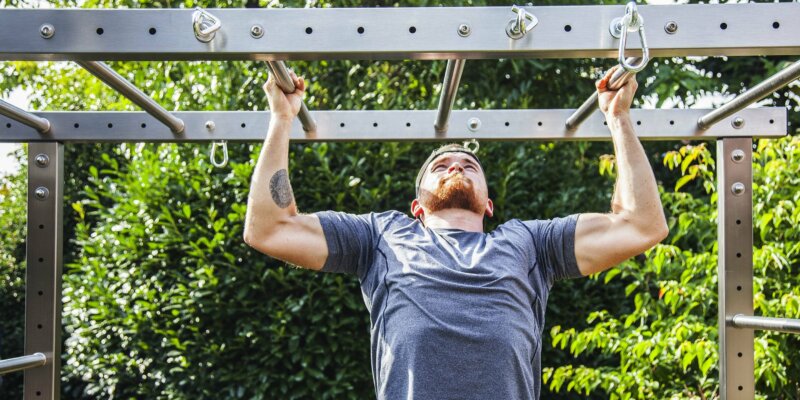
(771,84)
(284,81)
(205,25)
(214,146)
(17,114)
(522,24)
(452,77)
(632,21)
(24,362)
(586,109)
(127,89)
(766,323)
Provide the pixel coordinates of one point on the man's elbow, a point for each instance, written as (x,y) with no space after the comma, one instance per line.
(255,235)
(658,232)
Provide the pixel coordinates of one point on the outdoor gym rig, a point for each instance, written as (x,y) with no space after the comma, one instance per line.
(455,34)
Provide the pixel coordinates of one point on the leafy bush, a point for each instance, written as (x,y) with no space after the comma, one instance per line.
(667,345)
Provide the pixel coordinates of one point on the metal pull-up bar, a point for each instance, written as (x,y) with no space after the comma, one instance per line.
(17,114)
(587,108)
(771,84)
(127,89)
(452,77)
(284,81)
(766,323)
(24,362)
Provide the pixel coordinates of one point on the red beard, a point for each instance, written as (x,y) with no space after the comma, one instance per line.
(454,191)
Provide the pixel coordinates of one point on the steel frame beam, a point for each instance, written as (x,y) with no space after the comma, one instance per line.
(735,243)
(44,263)
(395,33)
(661,124)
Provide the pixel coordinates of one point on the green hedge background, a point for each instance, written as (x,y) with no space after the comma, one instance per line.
(162,299)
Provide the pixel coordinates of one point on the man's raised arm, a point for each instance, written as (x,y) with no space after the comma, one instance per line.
(272,225)
(636,222)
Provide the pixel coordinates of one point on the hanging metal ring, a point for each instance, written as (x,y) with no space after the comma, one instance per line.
(631,22)
(472,145)
(224,145)
(205,25)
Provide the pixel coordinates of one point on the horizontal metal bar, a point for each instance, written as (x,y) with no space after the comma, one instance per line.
(21,363)
(661,124)
(757,92)
(452,77)
(42,125)
(130,91)
(284,81)
(765,323)
(394,33)
(590,105)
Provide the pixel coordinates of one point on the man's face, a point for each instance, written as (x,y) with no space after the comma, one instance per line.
(454,180)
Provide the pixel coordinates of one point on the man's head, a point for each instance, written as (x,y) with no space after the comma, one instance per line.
(451,178)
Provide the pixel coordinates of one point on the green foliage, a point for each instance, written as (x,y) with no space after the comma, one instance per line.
(667,345)
(13,198)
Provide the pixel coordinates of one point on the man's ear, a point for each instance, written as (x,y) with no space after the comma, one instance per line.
(489,208)
(416,209)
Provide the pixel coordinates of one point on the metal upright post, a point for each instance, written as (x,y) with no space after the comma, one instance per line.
(44,261)
(735,268)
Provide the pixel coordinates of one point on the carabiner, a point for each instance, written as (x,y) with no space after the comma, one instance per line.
(522,24)
(205,25)
(632,21)
(224,161)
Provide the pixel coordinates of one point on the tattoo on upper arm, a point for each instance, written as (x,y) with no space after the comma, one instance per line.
(281,189)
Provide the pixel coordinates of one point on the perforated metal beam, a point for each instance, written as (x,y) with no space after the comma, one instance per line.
(394,33)
(735,242)
(390,125)
(44,262)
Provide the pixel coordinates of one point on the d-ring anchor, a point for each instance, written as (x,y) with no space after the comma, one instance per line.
(472,145)
(632,21)
(224,145)
(522,24)
(205,25)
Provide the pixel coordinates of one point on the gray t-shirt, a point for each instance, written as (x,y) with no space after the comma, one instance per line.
(454,314)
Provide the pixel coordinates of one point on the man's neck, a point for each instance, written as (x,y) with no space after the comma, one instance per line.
(454,218)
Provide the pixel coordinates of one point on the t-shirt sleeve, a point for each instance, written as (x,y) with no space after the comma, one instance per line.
(351,241)
(554,246)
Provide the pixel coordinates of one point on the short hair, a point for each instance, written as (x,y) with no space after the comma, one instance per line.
(448,148)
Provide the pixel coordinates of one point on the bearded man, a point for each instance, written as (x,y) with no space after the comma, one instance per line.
(456,313)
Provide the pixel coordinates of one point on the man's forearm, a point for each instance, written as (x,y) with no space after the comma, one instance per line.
(636,193)
(271,198)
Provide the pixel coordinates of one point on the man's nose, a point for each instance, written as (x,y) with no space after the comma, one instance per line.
(456,166)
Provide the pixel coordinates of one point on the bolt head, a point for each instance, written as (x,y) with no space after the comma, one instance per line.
(42,160)
(737,155)
(474,124)
(41,193)
(464,30)
(256,31)
(47,31)
(210,125)
(738,188)
(737,122)
(671,27)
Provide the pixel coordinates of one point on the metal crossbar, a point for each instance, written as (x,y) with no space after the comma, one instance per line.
(661,124)
(395,33)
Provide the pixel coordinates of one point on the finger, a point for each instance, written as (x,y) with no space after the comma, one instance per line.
(300,84)
(602,84)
